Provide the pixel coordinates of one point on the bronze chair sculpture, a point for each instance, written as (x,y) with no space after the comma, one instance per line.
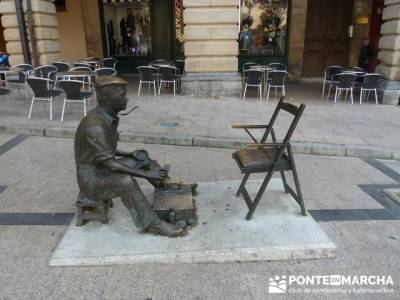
(263,157)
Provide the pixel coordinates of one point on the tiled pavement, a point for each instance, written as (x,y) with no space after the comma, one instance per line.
(366,130)
(344,194)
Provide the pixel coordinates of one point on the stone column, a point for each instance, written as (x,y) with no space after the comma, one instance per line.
(211,47)
(92,27)
(389,52)
(44,26)
(211,33)
(297,35)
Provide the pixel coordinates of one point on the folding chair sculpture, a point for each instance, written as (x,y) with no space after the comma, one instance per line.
(263,157)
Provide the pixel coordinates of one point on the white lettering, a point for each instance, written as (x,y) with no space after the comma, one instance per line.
(380,280)
(292,279)
(372,280)
(300,280)
(363,280)
(346,280)
(355,281)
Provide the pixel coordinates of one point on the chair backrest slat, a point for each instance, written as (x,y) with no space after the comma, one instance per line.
(290,108)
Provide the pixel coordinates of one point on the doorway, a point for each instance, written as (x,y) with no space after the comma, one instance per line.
(327,37)
(138,32)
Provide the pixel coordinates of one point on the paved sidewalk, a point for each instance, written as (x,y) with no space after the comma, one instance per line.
(366,130)
(344,195)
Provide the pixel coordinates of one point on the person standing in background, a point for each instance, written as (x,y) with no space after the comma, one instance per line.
(367,54)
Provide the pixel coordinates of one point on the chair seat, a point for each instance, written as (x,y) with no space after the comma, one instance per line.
(54,93)
(259,160)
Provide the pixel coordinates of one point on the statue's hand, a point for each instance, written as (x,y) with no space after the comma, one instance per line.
(156,174)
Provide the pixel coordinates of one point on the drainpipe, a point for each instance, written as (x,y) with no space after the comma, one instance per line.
(32,35)
(22,31)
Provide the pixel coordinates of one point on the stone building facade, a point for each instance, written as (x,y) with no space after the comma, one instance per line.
(45,28)
(211,38)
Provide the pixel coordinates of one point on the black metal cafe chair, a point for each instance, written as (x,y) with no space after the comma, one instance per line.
(74,94)
(167,75)
(345,83)
(329,73)
(369,85)
(42,91)
(267,158)
(253,78)
(61,66)
(20,79)
(276,79)
(148,75)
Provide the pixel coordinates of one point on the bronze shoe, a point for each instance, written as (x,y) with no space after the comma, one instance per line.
(167,229)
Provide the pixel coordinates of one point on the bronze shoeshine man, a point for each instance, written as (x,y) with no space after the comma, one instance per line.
(105,172)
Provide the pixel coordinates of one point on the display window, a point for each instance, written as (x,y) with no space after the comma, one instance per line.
(263,27)
(128,28)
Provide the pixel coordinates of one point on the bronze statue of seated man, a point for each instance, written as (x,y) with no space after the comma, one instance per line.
(105,172)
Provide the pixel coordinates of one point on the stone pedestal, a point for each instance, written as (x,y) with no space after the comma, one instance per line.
(212,84)
(390,92)
(277,231)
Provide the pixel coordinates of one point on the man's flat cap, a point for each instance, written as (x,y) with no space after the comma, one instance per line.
(104,81)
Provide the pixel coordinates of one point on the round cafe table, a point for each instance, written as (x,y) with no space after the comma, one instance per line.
(6,72)
(75,74)
(266,70)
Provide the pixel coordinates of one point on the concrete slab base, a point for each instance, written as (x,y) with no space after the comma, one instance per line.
(276,232)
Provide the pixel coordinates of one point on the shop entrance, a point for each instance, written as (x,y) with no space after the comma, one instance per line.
(327,36)
(137,32)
